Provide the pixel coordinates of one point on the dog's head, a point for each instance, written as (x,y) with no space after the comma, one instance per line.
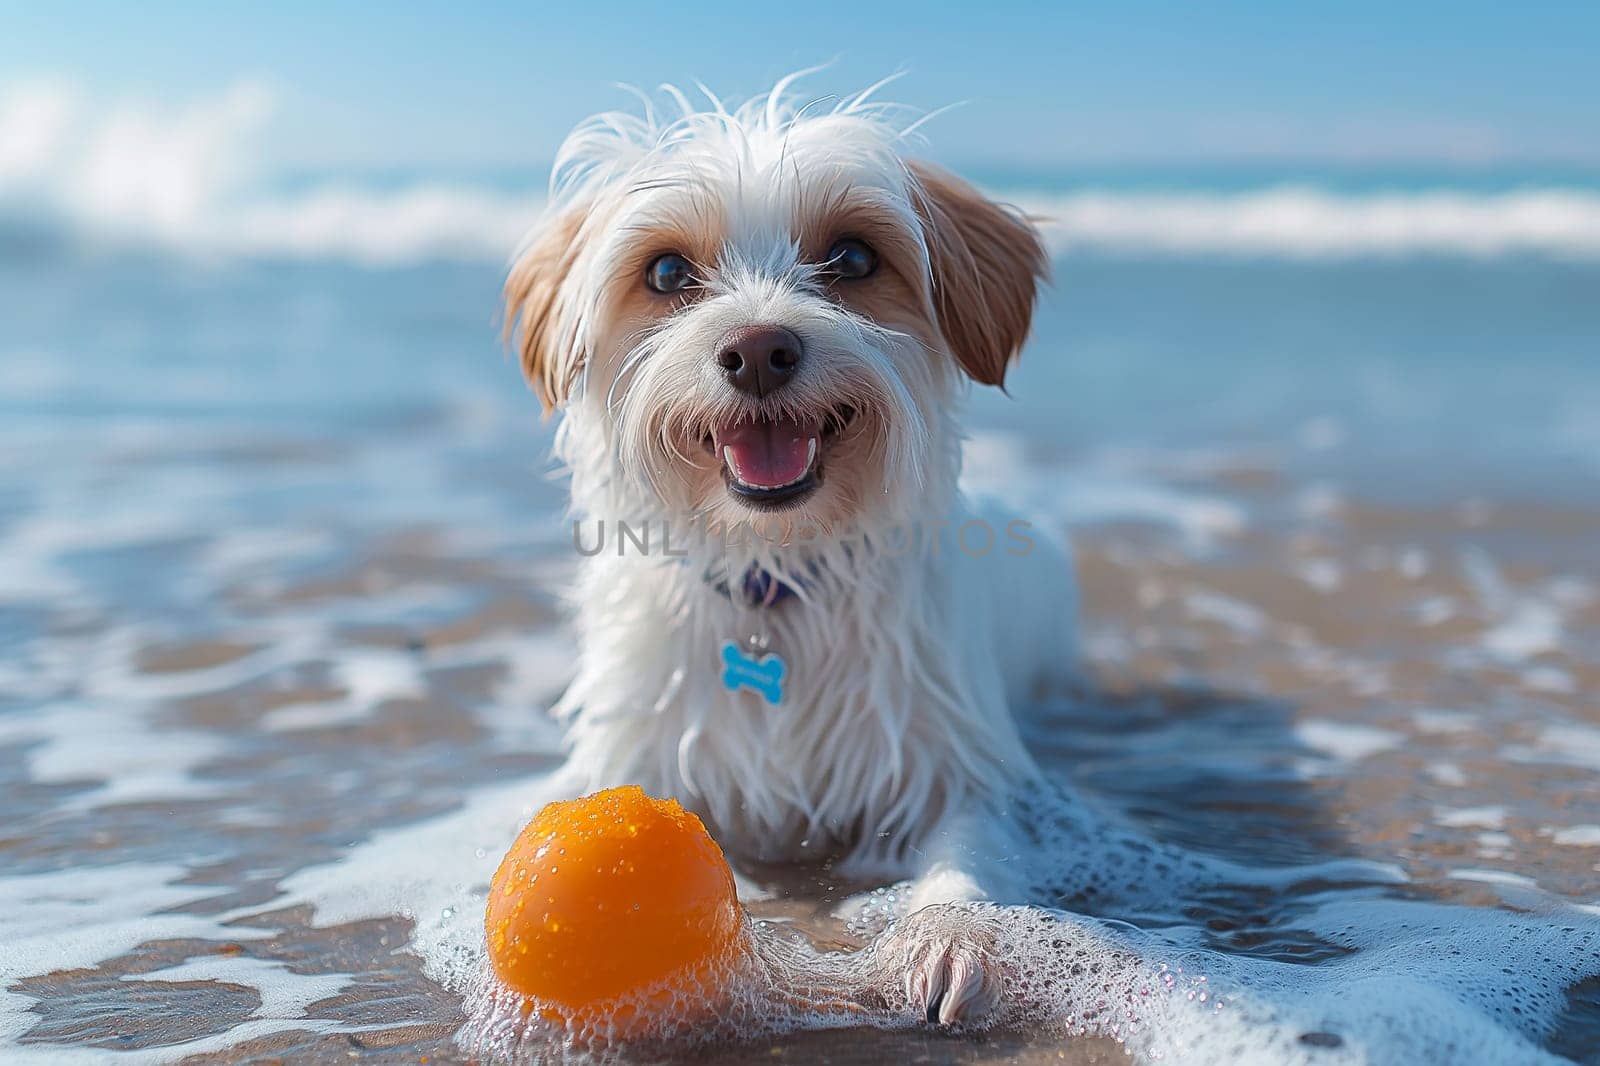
(769,309)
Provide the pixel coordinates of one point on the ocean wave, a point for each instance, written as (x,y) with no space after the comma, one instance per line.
(425,222)
(429,222)
(1307,222)
(190,180)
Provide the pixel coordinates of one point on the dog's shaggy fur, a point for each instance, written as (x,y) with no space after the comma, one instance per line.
(916,621)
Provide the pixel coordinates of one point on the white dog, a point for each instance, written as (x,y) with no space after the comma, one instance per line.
(759,324)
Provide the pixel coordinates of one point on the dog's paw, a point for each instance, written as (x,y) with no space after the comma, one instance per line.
(949,971)
(953,980)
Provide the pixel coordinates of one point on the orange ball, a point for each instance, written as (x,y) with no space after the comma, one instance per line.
(607,895)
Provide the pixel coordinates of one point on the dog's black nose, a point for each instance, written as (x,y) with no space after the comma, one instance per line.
(759,359)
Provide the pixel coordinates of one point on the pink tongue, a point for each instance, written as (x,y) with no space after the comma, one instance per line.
(768,453)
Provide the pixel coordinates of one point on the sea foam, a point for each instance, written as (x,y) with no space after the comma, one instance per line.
(1396,980)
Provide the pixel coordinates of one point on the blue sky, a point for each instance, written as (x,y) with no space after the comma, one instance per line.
(491,85)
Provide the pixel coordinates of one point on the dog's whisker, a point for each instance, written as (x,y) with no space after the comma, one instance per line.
(625,372)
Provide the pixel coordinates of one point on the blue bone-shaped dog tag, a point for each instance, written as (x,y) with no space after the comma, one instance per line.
(763,675)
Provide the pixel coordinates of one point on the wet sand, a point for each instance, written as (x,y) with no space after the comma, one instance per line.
(1333,676)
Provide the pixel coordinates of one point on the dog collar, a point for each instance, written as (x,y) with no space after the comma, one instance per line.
(749,664)
(758,588)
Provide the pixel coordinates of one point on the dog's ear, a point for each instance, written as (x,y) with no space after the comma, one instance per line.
(537,322)
(987,261)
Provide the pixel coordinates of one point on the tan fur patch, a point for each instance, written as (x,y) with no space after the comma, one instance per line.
(533,311)
(987,262)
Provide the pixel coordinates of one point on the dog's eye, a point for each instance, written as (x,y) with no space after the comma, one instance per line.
(851,259)
(669,273)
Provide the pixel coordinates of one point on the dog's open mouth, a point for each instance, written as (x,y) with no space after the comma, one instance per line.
(775,461)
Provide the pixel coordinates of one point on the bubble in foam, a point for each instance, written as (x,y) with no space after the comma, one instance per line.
(774,983)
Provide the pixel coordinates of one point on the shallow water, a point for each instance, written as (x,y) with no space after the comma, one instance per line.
(278,617)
